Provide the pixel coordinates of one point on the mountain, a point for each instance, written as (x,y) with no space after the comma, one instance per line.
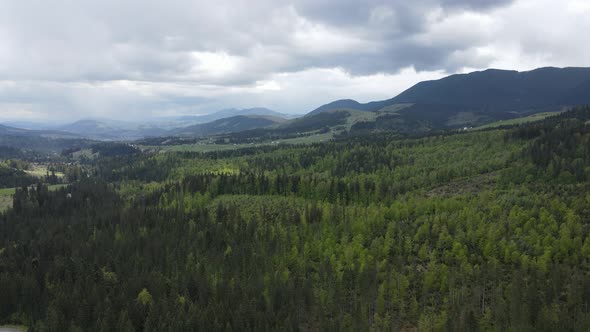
(501,88)
(20,132)
(30,125)
(6,130)
(99,129)
(483,96)
(105,129)
(46,141)
(228,125)
(310,128)
(86,126)
(324,121)
(350,104)
(227,113)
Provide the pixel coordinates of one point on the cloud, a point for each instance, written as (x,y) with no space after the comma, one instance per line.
(175,40)
(73,59)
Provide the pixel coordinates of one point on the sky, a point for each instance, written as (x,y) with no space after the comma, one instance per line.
(64,60)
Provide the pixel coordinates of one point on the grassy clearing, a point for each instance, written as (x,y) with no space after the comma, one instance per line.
(40,171)
(5,202)
(307,139)
(13,328)
(394,108)
(510,122)
(84,153)
(7,193)
(359,116)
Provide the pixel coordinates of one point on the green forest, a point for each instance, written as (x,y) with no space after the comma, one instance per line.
(469,230)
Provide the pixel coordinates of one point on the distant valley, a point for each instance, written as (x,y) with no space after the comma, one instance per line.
(453,102)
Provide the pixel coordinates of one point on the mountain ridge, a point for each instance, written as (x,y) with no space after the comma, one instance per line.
(502,90)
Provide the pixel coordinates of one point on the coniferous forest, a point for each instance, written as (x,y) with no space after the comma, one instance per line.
(471,230)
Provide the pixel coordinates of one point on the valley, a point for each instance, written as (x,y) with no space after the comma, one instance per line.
(475,99)
(377,216)
(432,231)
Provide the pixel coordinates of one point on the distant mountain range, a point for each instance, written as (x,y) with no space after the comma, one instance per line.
(452,102)
(96,129)
(200,125)
(483,96)
(106,129)
(51,141)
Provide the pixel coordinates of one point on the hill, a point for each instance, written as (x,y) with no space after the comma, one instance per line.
(350,104)
(19,132)
(504,89)
(100,129)
(228,125)
(6,130)
(310,128)
(38,140)
(109,130)
(105,129)
(227,113)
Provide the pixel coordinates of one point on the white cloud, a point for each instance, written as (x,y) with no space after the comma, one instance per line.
(319,40)
(536,33)
(214,65)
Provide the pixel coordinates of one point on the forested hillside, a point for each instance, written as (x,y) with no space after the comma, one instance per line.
(460,231)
